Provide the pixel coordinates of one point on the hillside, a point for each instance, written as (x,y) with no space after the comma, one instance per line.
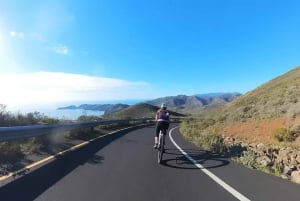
(279,97)
(259,113)
(194,104)
(141,110)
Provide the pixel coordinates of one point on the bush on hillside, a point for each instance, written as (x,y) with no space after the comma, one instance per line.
(188,128)
(11,150)
(18,119)
(283,135)
(88,118)
(210,140)
(295,129)
(248,159)
(293,111)
(204,134)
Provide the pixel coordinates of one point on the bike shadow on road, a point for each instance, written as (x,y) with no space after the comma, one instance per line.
(173,158)
(30,186)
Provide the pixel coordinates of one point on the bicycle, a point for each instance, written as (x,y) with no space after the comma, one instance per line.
(161,146)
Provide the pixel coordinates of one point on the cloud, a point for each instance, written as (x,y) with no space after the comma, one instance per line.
(15,34)
(45,88)
(61,49)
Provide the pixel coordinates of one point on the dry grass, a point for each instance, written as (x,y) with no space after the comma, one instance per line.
(259,130)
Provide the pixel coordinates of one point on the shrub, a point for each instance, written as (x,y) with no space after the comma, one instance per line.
(88,118)
(222,118)
(283,135)
(212,141)
(31,145)
(278,168)
(203,135)
(189,129)
(295,129)
(10,150)
(248,159)
(48,120)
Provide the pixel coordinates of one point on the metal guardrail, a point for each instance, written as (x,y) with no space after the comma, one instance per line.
(18,132)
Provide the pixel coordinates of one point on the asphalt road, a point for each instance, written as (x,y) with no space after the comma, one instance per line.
(123,167)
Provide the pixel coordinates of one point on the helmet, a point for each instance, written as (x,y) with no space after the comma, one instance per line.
(163,105)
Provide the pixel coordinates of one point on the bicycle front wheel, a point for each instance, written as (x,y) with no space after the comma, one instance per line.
(159,155)
(160,149)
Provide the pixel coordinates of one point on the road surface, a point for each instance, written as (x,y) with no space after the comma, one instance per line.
(123,167)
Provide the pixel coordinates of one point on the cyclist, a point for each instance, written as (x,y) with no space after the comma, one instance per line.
(162,118)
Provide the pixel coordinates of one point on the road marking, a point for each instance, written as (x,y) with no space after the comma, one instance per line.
(231,190)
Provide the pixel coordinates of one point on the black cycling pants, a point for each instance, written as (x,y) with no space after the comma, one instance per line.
(162,125)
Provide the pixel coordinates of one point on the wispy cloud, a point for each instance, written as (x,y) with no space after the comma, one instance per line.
(52,88)
(15,34)
(61,49)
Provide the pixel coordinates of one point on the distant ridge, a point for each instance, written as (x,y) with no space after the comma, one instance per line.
(218,94)
(194,104)
(182,104)
(140,110)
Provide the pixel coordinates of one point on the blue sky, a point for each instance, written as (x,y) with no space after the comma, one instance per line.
(87,51)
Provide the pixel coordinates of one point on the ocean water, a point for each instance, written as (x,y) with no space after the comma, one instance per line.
(71,114)
(52,111)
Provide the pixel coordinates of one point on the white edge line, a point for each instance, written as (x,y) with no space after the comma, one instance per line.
(231,190)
